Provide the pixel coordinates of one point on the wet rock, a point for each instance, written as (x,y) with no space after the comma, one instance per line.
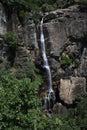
(59,109)
(69,88)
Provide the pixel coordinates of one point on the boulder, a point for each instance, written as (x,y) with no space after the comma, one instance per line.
(58,108)
(69,88)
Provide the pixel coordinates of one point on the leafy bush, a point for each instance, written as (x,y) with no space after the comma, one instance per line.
(20,107)
(81,112)
(76,118)
(29,71)
(66,61)
(18,98)
(81,1)
(21,15)
(11,40)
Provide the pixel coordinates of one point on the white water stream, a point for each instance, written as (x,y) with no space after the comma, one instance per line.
(50,92)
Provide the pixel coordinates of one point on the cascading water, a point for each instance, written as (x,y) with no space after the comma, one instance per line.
(50,97)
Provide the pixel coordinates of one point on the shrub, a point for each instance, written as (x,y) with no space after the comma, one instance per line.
(66,61)
(81,111)
(21,15)
(81,1)
(76,119)
(11,40)
(20,106)
(29,71)
(18,102)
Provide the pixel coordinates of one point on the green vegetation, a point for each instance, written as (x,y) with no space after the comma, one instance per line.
(11,40)
(20,105)
(21,108)
(39,5)
(28,71)
(66,61)
(21,15)
(18,100)
(81,1)
(36,6)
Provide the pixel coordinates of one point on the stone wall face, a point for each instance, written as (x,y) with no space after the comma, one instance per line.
(65,33)
(3,30)
(66,37)
(3,20)
(69,88)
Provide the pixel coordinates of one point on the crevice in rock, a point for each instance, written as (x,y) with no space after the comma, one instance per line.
(83,44)
(11,57)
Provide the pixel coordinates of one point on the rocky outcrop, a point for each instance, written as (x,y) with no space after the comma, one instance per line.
(67,25)
(59,109)
(66,38)
(3,51)
(3,30)
(65,33)
(69,88)
(3,21)
(28,47)
(83,66)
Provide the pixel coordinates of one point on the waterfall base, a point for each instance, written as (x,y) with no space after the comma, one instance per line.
(49,101)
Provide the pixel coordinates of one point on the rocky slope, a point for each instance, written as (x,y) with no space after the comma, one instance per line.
(65,33)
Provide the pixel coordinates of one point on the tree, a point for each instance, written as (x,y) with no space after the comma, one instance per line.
(18,98)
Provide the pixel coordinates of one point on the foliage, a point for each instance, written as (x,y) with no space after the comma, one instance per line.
(35,6)
(40,5)
(11,40)
(81,1)
(64,3)
(21,15)
(81,111)
(66,61)
(76,118)
(18,98)
(21,108)
(29,71)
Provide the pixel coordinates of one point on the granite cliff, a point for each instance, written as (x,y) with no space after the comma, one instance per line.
(65,33)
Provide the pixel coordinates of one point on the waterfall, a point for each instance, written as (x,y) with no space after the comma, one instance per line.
(50,92)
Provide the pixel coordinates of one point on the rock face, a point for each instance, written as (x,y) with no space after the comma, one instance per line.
(3,52)
(69,88)
(83,66)
(66,37)
(28,46)
(59,109)
(67,25)
(3,21)
(3,30)
(65,33)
